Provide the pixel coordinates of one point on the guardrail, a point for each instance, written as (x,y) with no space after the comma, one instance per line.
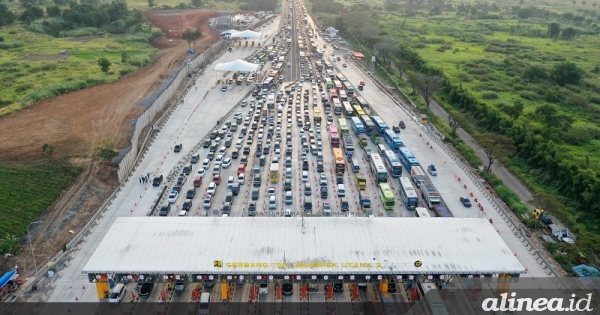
(506,214)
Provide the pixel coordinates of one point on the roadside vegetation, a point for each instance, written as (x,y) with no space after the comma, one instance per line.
(523,79)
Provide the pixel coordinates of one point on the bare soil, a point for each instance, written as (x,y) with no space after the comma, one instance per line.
(77,122)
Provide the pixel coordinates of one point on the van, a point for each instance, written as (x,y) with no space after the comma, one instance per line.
(116,294)
(307,204)
(204,307)
(341,190)
(198,181)
(355,165)
(307,189)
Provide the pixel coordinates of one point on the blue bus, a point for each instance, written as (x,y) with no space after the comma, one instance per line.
(392,163)
(380,126)
(357,126)
(268,83)
(368,123)
(392,139)
(409,194)
(407,158)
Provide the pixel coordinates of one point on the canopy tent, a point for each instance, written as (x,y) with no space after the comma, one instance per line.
(7,277)
(231,31)
(246,34)
(236,65)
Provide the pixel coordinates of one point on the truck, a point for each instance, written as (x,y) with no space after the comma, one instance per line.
(274,173)
(375,137)
(430,194)
(432,170)
(363,140)
(442,211)
(365,200)
(418,175)
(361,181)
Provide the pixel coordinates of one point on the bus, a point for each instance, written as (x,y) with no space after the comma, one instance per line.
(369,125)
(320,53)
(357,126)
(392,139)
(268,83)
(337,106)
(334,136)
(338,86)
(392,163)
(282,59)
(317,117)
(407,158)
(330,74)
(348,110)
(408,193)
(341,77)
(387,196)
(328,83)
(274,171)
(289,43)
(273,74)
(378,169)
(349,89)
(333,95)
(348,146)
(319,66)
(340,164)
(328,65)
(434,305)
(343,96)
(302,56)
(360,101)
(380,125)
(358,110)
(421,212)
(344,131)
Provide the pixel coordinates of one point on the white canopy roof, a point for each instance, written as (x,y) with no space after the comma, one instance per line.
(246,34)
(236,65)
(231,31)
(317,245)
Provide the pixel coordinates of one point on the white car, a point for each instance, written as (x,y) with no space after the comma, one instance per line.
(173,196)
(207,201)
(211,188)
(230,181)
(201,172)
(271,191)
(241,179)
(219,160)
(226,163)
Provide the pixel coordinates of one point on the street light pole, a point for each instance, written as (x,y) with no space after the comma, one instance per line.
(31,247)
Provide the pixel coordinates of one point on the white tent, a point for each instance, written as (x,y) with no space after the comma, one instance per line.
(229,32)
(236,65)
(246,34)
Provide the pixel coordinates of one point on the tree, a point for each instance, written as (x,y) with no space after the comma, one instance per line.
(554,121)
(428,85)
(516,110)
(414,79)
(191,36)
(197,3)
(53,11)
(553,29)
(491,144)
(150,3)
(31,13)
(535,74)
(402,66)
(9,244)
(104,65)
(569,33)
(566,73)
(7,17)
(386,47)
(106,151)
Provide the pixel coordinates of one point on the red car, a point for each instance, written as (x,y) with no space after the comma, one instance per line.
(402,125)
(217,179)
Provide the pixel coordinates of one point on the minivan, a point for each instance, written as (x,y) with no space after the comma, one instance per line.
(197,181)
(341,190)
(117,294)
(204,306)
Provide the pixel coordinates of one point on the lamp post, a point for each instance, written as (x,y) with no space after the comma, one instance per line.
(31,247)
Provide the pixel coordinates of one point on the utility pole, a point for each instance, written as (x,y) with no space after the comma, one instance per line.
(31,247)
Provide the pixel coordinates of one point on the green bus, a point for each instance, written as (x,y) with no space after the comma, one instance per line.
(329,83)
(387,196)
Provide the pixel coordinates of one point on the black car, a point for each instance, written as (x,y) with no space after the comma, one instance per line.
(320,167)
(396,129)
(213,148)
(392,286)
(323,192)
(213,134)
(246,150)
(338,287)
(244,160)
(287,186)
(164,210)
(305,165)
(178,148)
(345,206)
(146,287)
(181,179)
(339,179)
(255,193)
(209,283)
(252,207)
(287,288)
(257,180)
(190,194)
(186,170)
(235,154)
(207,143)
(157,180)
(229,197)
(187,205)
(210,156)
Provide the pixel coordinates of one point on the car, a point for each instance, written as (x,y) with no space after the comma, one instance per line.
(432,170)
(287,186)
(229,197)
(241,179)
(338,287)
(157,180)
(206,201)
(344,205)
(146,287)
(312,287)
(219,160)
(244,160)
(226,163)
(252,209)
(117,293)
(466,202)
(263,288)
(217,179)
(181,179)
(180,285)
(211,188)
(226,208)
(223,88)
(396,129)
(330,118)
(195,158)
(391,286)
(344,65)
(230,181)
(187,205)
(320,168)
(207,143)
(178,148)
(323,179)
(173,196)
(201,172)
(287,289)
(210,156)
(190,193)
(402,125)
(164,210)
(246,151)
(187,169)
(271,191)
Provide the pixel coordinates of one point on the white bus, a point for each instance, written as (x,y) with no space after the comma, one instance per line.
(408,193)
(377,168)
(421,212)
(433,300)
(302,55)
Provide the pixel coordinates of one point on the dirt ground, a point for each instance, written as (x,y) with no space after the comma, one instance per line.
(77,122)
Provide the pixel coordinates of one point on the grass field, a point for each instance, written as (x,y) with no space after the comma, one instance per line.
(34,69)
(27,189)
(212,5)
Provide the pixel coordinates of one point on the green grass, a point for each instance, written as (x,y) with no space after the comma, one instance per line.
(209,5)
(27,189)
(24,81)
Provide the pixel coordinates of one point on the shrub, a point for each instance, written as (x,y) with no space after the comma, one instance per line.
(528,95)
(5,45)
(489,95)
(23,87)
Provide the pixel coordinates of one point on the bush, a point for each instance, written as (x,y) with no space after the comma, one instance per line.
(468,153)
(528,95)
(489,95)
(140,61)
(5,45)
(464,77)
(23,87)
(84,31)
